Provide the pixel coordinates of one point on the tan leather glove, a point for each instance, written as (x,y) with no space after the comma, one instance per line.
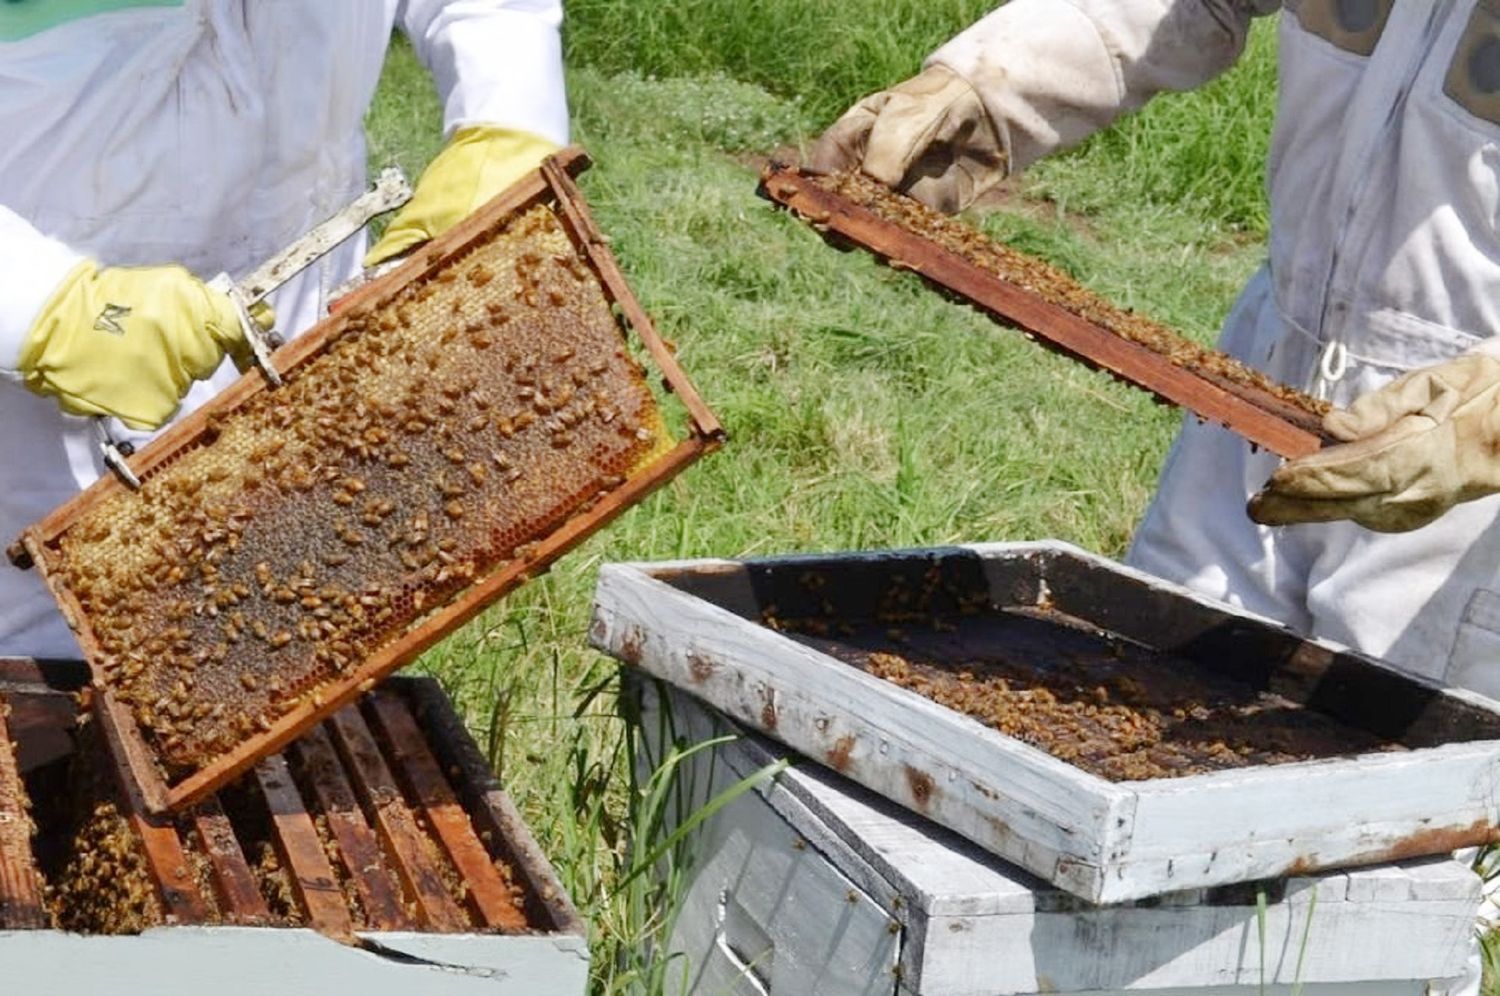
(1411,451)
(930,137)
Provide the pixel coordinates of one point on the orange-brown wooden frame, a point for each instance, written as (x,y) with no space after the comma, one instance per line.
(1251,412)
(552,183)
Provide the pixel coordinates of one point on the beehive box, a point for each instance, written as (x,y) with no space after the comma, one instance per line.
(377,852)
(452,429)
(1050,306)
(1156,741)
(812,885)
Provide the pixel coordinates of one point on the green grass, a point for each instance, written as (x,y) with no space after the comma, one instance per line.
(864,410)
(817,53)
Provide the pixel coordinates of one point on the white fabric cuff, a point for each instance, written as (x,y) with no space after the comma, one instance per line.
(495,63)
(31,268)
(1052,72)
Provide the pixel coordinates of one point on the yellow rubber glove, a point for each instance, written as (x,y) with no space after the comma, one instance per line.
(1411,450)
(129,342)
(930,137)
(476,165)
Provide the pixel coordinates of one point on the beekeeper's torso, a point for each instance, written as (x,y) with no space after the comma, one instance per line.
(1383,166)
(209,133)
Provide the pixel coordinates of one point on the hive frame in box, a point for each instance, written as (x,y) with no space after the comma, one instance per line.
(407,948)
(20,885)
(551,183)
(1103,841)
(1255,414)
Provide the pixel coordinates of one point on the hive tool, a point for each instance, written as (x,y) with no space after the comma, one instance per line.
(389,192)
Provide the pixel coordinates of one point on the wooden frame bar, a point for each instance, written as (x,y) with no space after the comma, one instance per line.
(359,852)
(395,822)
(234,884)
(489,896)
(552,183)
(21,904)
(1257,415)
(301,851)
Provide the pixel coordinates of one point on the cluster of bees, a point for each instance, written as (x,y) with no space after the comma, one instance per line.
(15,823)
(1123,718)
(1055,286)
(1110,707)
(105,887)
(933,599)
(438,436)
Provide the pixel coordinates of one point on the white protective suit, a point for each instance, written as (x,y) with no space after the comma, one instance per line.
(1384,180)
(209,133)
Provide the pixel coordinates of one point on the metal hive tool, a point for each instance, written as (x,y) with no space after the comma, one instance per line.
(454,427)
(1051,307)
(382,819)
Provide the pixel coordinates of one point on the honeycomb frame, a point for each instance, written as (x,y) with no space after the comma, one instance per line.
(166,783)
(1050,307)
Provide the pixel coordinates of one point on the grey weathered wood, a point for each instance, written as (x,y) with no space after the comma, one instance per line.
(972,925)
(251,961)
(1103,841)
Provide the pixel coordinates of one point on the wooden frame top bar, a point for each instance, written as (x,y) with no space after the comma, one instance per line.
(1255,414)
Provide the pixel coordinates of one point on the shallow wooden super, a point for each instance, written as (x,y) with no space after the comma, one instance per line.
(398,773)
(690,623)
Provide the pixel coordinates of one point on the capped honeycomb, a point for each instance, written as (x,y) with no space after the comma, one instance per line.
(443,431)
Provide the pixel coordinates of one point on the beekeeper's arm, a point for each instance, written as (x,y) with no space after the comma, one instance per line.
(1407,452)
(118,341)
(1032,77)
(498,69)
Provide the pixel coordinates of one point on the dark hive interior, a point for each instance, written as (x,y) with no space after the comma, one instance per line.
(1112,706)
(367,823)
(441,433)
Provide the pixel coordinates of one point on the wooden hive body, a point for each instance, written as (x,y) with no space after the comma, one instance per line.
(702,626)
(811,885)
(377,849)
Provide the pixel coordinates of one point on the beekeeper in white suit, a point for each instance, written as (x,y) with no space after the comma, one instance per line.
(151,143)
(1382,292)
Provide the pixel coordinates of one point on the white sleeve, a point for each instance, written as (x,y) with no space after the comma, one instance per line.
(496,62)
(1052,72)
(31,268)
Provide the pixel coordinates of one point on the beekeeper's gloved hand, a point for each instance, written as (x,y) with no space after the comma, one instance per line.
(1410,451)
(476,165)
(930,137)
(129,341)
